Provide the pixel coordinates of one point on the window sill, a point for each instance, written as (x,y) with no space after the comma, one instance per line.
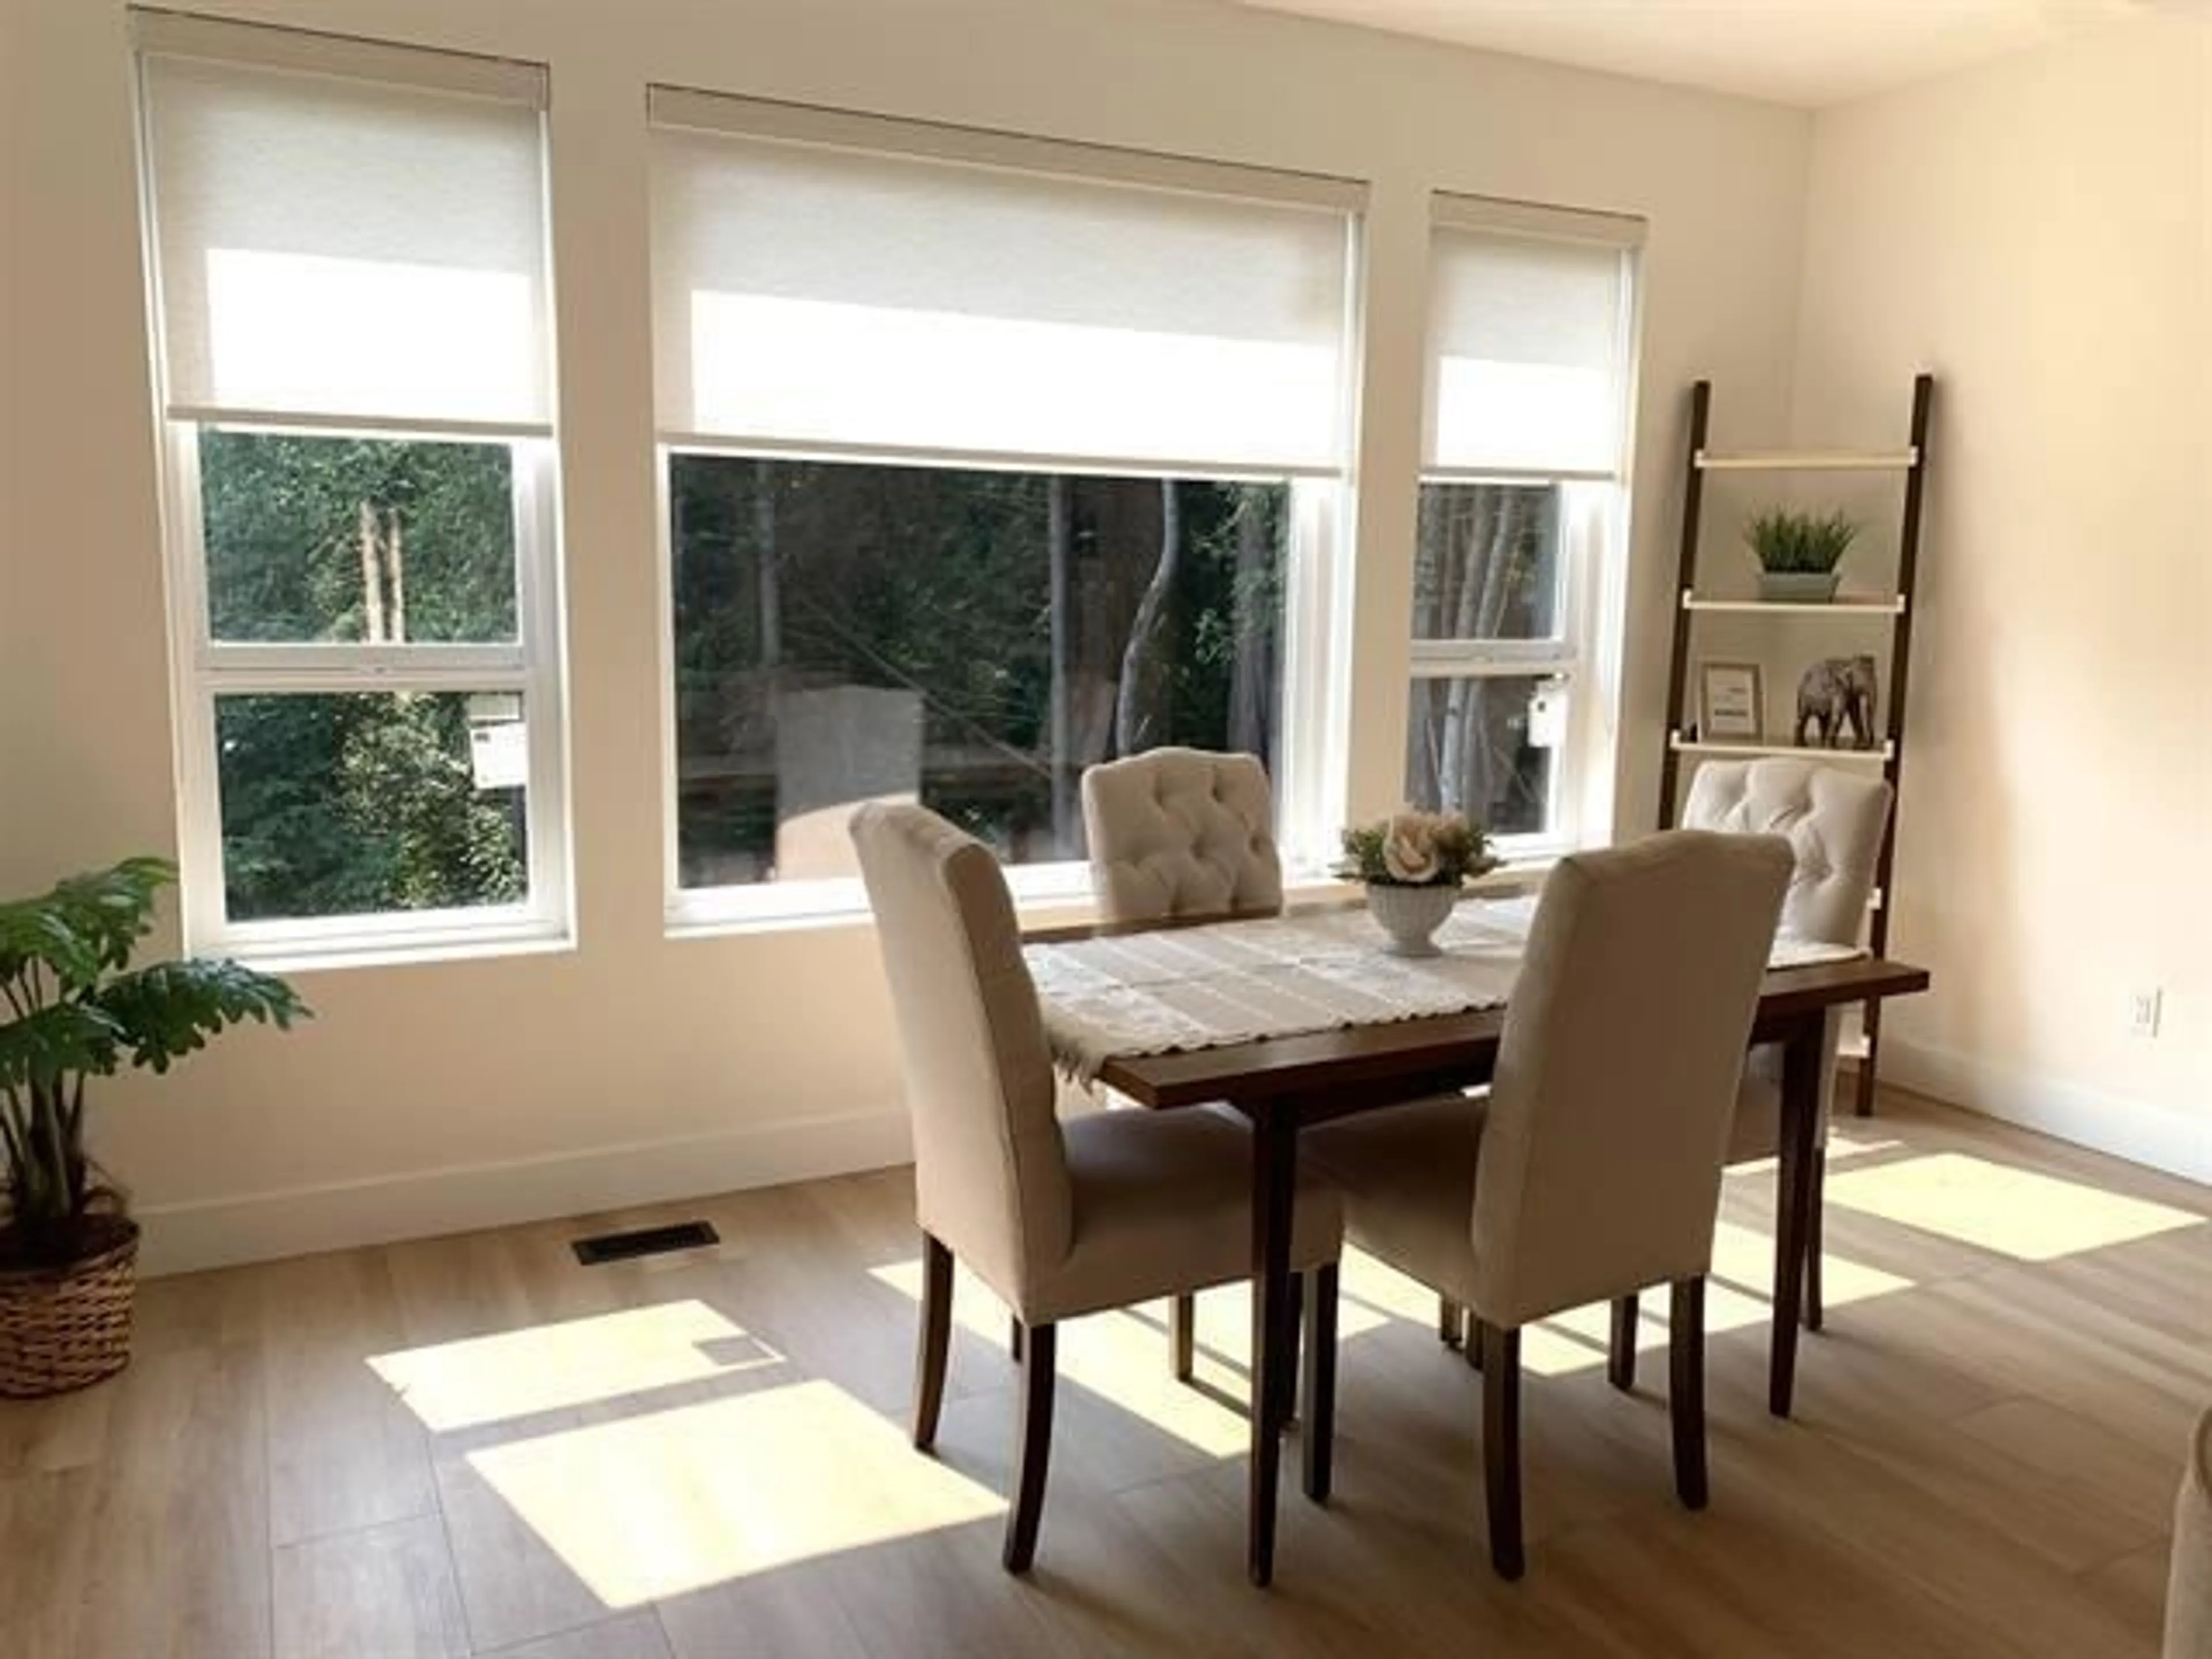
(335,954)
(1044,896)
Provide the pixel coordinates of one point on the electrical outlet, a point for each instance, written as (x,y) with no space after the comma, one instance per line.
(2145,1007)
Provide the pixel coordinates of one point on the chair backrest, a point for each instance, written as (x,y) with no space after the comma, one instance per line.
(990,1169)
(1616,1077)
(1182,832)
(2189,1584)
(1833,820)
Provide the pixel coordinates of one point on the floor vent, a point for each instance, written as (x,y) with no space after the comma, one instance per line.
(646,1241)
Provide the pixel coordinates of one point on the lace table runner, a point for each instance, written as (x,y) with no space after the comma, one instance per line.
(1238,982)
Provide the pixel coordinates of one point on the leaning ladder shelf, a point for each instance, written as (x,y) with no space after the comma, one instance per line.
(1911,464)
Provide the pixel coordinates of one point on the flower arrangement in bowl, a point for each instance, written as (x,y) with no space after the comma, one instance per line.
(1413,864)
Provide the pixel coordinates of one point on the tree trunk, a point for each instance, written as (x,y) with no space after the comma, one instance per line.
(768,577)
(1140,716)
(371,576)
(1470,534)
(1252,673)
(1060,539)
(395,573)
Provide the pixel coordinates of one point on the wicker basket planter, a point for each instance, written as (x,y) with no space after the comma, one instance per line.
(67,1327)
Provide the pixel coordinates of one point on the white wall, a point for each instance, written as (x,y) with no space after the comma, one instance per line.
(432,1097)
(2036,232)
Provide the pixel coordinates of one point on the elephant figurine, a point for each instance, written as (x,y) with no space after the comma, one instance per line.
(1836,692)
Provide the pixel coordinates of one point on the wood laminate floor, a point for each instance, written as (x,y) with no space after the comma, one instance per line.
(474,1445)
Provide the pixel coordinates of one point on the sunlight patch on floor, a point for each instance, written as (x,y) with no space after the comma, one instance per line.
(1744,1256)
(657,1504)
(1841,1149)
(2015,1212)
(492,1379)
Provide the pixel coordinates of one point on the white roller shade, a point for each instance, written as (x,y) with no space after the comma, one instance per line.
(1527,353)
(337,247)
(813,295)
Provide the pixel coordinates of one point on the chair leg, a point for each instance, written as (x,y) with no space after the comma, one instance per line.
(1451,1322)
(1816,1316)
(1183,1336)
(1033,1447)
(1014,1337)
(1620,1361)
(1685,1390)
(936,1342)
(1501,1446)
(1320,1381)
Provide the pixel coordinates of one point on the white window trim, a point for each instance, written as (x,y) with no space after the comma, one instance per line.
(204,669)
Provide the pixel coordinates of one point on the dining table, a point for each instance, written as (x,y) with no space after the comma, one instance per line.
(1285,1084)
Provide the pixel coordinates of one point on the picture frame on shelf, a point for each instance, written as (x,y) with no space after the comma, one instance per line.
(1731,702)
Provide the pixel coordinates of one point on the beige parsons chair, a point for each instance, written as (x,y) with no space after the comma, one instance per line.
(1182,832)
(1593,1168)
(1834,821)
(2189,1585)
(1060,1220)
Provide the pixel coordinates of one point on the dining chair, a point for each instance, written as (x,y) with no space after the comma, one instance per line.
(1059,1218)
(1834,821)
(1593,1168)
(1182,833)
(2189,1583)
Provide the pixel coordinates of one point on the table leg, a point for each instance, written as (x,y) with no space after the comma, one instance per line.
(1275,1187)
(1801,1111)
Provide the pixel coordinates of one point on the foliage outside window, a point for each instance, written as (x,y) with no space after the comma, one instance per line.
(970,639)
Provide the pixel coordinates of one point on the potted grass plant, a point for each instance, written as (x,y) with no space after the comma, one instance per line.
(1798,553)
(76,1008)
(1412,865)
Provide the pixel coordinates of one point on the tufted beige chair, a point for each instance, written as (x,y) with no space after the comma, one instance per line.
(2189,1584)
(1059,1219)
(1188,833)
(1834,821)
(1594,1166)
(1182,832)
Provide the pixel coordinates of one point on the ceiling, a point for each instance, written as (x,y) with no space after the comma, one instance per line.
(1808,52)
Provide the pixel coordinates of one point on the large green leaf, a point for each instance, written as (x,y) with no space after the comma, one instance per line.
(173,1008)
(56,1040)
(84,924)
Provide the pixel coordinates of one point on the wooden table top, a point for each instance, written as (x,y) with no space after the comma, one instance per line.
(1433,1049)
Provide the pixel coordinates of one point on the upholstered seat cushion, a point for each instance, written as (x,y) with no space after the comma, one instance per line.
(2188,1586)
(1162,1203)
(1407,1174)
(1182,832)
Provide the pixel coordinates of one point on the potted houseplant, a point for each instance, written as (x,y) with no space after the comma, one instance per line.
(1413,864)
(1798,553)
(76,1008)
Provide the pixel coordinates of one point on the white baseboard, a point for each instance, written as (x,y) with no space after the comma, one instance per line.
(2178,1143)
(265,1227)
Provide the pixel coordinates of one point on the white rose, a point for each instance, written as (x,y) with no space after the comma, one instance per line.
(1409,849)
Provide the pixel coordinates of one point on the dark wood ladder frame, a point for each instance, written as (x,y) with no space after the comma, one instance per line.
(1915,473)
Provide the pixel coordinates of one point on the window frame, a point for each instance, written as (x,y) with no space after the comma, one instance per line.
(1316,641)
(529,666)
(532,665)
(1583,657)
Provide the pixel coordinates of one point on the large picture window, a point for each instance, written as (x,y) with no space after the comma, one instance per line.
(1520,518)
(986,460)
(349,249)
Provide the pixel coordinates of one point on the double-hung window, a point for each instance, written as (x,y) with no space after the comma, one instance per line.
(1517,589)
(348,244)
(985,459)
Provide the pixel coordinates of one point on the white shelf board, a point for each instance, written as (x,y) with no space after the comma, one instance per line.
(1889,606)
(1809,461)
(1682,745)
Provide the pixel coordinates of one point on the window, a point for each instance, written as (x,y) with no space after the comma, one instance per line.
(1515,590)
(349,249)
(985,460)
